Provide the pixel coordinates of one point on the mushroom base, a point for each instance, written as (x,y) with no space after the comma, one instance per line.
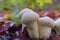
(33,30)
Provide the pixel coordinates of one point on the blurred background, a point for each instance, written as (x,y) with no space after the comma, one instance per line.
(13,5)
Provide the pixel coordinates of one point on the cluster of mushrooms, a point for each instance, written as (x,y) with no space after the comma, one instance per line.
(38,27)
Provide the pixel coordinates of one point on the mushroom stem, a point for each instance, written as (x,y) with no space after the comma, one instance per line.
(44,32)
(33,30)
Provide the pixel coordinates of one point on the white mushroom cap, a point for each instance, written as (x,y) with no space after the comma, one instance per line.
(23,11)
(47,21)
(57,26)
(29,17)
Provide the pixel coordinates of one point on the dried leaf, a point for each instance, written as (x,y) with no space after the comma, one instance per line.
(7,16)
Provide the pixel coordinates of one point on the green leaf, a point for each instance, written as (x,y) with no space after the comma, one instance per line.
(1,0)
(16,20)
(47,1)
(40,4)
(1,7)
(11,1)
(57,6)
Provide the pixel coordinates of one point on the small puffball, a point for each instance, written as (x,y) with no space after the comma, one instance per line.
(45,25)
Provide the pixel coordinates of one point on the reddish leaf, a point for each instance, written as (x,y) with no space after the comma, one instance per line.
(50,14)
(56,38)
(41,14)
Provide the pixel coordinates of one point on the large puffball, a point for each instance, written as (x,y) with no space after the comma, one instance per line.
(30,19)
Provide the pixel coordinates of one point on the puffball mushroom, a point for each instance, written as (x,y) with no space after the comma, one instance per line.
(30,20)
(21,13)
(57,26)
(45,26)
